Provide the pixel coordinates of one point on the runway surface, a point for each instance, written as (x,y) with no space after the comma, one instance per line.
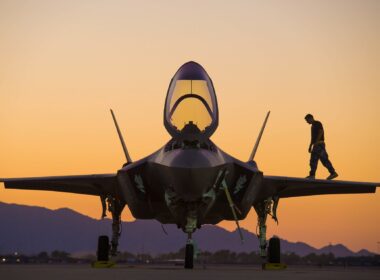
(154,272)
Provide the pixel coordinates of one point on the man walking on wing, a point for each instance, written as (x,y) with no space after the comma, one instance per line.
(317,149)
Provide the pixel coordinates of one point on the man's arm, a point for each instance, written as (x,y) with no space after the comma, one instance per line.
(310,147)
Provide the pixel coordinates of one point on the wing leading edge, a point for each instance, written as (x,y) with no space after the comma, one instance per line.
(98,184)
(292,187)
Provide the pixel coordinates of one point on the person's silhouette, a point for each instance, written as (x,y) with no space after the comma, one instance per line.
(317,148)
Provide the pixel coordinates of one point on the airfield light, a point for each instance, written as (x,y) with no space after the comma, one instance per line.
(3,259)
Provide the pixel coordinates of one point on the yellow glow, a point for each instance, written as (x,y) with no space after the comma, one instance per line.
(198,87)
(191,109)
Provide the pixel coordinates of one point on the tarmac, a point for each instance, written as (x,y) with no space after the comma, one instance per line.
(157,272)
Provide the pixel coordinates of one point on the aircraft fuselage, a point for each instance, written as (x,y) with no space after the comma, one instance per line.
(188,181)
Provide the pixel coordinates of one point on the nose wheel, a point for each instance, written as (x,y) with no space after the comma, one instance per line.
(189,253)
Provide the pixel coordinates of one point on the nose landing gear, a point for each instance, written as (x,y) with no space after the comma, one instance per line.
(189,249)
(189,253)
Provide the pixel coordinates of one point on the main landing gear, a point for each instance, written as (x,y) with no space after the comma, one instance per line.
(263,209)
(103,253)
(103,249)
(106,248)
(274,250)
(272,256)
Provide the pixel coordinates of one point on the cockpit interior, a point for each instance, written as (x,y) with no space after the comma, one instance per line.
(191,110)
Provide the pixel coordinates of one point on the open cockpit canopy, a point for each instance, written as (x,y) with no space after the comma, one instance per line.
(191,109)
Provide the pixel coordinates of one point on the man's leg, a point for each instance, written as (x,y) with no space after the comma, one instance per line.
(314,157)
(327,163)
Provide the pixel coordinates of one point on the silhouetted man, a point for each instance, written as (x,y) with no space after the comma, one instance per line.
(317,149)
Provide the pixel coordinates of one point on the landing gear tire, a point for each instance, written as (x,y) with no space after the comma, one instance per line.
(103,248)
(274,250)
(189,256)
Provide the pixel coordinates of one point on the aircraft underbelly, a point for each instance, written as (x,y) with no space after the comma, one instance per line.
(166,193)
(244,185)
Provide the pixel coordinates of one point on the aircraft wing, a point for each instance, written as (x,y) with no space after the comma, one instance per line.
(98,184)
(292,187)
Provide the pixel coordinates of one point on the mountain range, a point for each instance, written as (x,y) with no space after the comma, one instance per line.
(30,230)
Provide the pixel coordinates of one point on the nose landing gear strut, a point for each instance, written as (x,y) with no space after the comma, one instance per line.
(189,249)
(189,252)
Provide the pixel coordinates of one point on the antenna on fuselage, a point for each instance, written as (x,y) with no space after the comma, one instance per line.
(129,160)
(259,138)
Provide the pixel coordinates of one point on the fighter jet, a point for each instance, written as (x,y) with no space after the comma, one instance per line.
(190,181)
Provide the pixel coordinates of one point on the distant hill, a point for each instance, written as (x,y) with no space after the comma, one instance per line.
(29,230)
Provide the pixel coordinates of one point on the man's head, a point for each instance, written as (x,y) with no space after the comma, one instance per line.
(309,118)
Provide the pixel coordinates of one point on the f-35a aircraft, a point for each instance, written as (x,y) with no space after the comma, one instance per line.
(189,181)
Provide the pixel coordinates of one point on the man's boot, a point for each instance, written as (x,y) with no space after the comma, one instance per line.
(332,176)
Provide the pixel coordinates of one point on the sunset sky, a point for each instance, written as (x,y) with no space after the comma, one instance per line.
(63,64)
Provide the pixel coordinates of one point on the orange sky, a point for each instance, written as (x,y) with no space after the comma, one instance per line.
(63,64)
